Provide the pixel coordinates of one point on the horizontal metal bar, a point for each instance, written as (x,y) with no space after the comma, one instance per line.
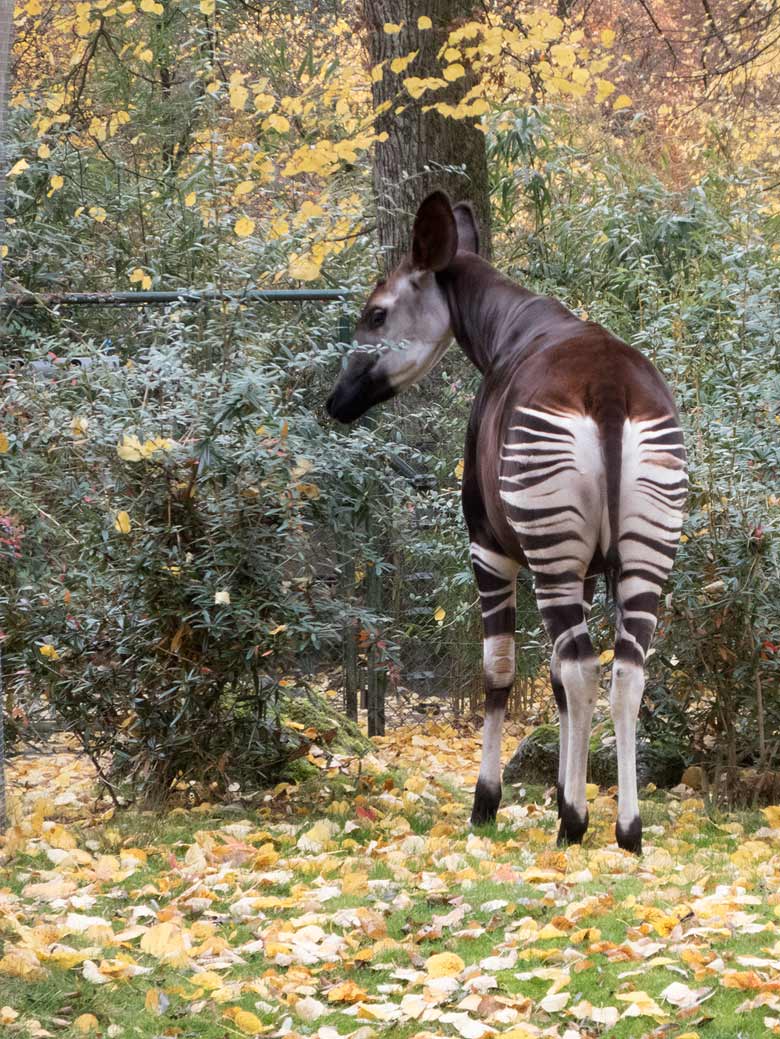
(12,301)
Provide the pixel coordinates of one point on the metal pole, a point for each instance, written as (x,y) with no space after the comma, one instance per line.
(15,301)
(6,28)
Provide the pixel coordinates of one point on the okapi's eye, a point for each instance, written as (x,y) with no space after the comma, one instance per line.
(377,317)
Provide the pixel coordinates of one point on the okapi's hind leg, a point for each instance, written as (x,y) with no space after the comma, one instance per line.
(653,492)
(496,576)
(560,698)
(561,599)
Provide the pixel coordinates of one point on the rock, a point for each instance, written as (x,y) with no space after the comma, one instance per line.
(536,759)
(693,777)
(337,732)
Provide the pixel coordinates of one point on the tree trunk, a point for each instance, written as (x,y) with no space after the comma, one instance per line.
(408,165)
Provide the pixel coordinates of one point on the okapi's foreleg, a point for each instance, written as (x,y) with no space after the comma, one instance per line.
(496,576)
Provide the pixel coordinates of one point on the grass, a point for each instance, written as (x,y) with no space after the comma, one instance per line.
(379,882)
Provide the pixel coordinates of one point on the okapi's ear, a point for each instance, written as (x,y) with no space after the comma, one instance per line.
(468,230)
(435,235)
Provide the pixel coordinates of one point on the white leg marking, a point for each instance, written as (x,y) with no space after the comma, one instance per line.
(498,658)
(625,696)
(499,663)
(490,767)
(580,680)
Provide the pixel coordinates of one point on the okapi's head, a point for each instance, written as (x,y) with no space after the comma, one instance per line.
(405,324)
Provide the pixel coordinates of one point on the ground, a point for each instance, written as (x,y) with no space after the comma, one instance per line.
(359,903)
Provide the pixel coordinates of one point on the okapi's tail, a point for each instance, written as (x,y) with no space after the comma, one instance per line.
(612,446)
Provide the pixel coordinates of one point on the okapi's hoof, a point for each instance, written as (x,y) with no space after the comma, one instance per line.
(629,837)
(487,798)
(573,825)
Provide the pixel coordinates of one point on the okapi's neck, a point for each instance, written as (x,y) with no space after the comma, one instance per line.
(493,317)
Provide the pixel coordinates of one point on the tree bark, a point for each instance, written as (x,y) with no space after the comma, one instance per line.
(421,147)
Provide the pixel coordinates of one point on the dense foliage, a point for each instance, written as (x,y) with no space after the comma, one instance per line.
(185,534)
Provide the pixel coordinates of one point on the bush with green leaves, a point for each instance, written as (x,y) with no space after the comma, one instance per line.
(184,530)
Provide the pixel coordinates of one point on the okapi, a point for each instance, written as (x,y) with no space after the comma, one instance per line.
(574,466)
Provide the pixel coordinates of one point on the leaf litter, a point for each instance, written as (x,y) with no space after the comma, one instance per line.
(363,906)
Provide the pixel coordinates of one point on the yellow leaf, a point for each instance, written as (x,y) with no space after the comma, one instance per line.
(401,64)
(264,102)
(444,965)
(623,101)
(346,992)
(86,1023)
(165,942)
(607,37)
(277,122)
(131,449)
(440,614)
(56,182)
(152,7)
(392,28)
(278,227)
(603,89)
(424,22)
(772,813)
(607,656)
(207,7)
(152,1002)
(122,523)
(244,226)
(18,167)
(276,631)
(208,979)
(458,470)
(5,445)
(21,963)
(243,188)
(238,97)
(377,73)
(591,791)
(48,651)
(453,72)
(189,200)
(246,1022)
(308,490)
(303,267)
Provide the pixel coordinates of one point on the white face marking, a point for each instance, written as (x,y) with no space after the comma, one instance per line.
(418,320)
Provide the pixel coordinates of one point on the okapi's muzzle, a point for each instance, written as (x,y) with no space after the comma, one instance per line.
(360,387)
